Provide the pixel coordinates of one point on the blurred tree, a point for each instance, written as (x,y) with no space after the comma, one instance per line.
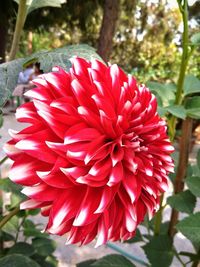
(7,11)
(145,38)
(110,16)
(77,21)
(194,11)
(146,42)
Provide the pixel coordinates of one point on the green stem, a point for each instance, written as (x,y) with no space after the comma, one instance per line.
(21,17)
(179,93)
(126,254)
(146,222)
(181,168)
(19,227)
(184,59)
(196,262)
(187,124)
(3,160)
(184,62)
(178,257)
(158,217)
(9,216)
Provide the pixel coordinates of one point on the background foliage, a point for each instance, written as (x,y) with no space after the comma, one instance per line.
(147,40)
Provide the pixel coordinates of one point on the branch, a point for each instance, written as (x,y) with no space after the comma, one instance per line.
(3,160)
(126,254)
(186,125)
(9,216)
(21,17)
(182,168)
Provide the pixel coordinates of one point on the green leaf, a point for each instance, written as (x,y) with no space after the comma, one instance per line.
(192,106)
(194,113)
(33,212)
(184,201)
(12,225)
(16,197)
(165,91)
(17,260)
(15,200)
(178,111)
(198,159)
(193,170)
(35,4)
(195,39)
(162,111)
(175,157)
(22,248)
(8,186)
(159,251)
(31,230)
(1,119)
(192,256)
(44,246)
(189,171)
(190,227)
(44,261)
(6,236)
(86,263)
(113,260)
(9,72)
(51,261)
(191,85)
(58,57)
(193,184)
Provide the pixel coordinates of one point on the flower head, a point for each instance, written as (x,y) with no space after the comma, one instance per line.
(95,156)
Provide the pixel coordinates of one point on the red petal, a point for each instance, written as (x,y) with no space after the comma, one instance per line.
(89,204)
(116,175)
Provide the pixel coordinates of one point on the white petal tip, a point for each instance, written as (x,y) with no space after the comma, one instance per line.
(81,180)
(42,174)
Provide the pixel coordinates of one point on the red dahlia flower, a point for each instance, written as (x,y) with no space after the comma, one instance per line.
(95,157)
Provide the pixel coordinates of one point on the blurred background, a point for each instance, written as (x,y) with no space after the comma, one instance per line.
(143,37)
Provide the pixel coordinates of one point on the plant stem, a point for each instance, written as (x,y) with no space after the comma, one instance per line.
(3,160)
(172,121)
(9,216)
(196,262)
(187,124)
(184,59)
(184,62)
(1,202)
(158,217)
(182,168)
(146,222)
(178,257)
(126,254)
(21,17)
(19,227)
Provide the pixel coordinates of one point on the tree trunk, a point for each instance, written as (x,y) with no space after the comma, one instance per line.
(7,11)
(111,11)
(5,7)
(3,34)
(181,169)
